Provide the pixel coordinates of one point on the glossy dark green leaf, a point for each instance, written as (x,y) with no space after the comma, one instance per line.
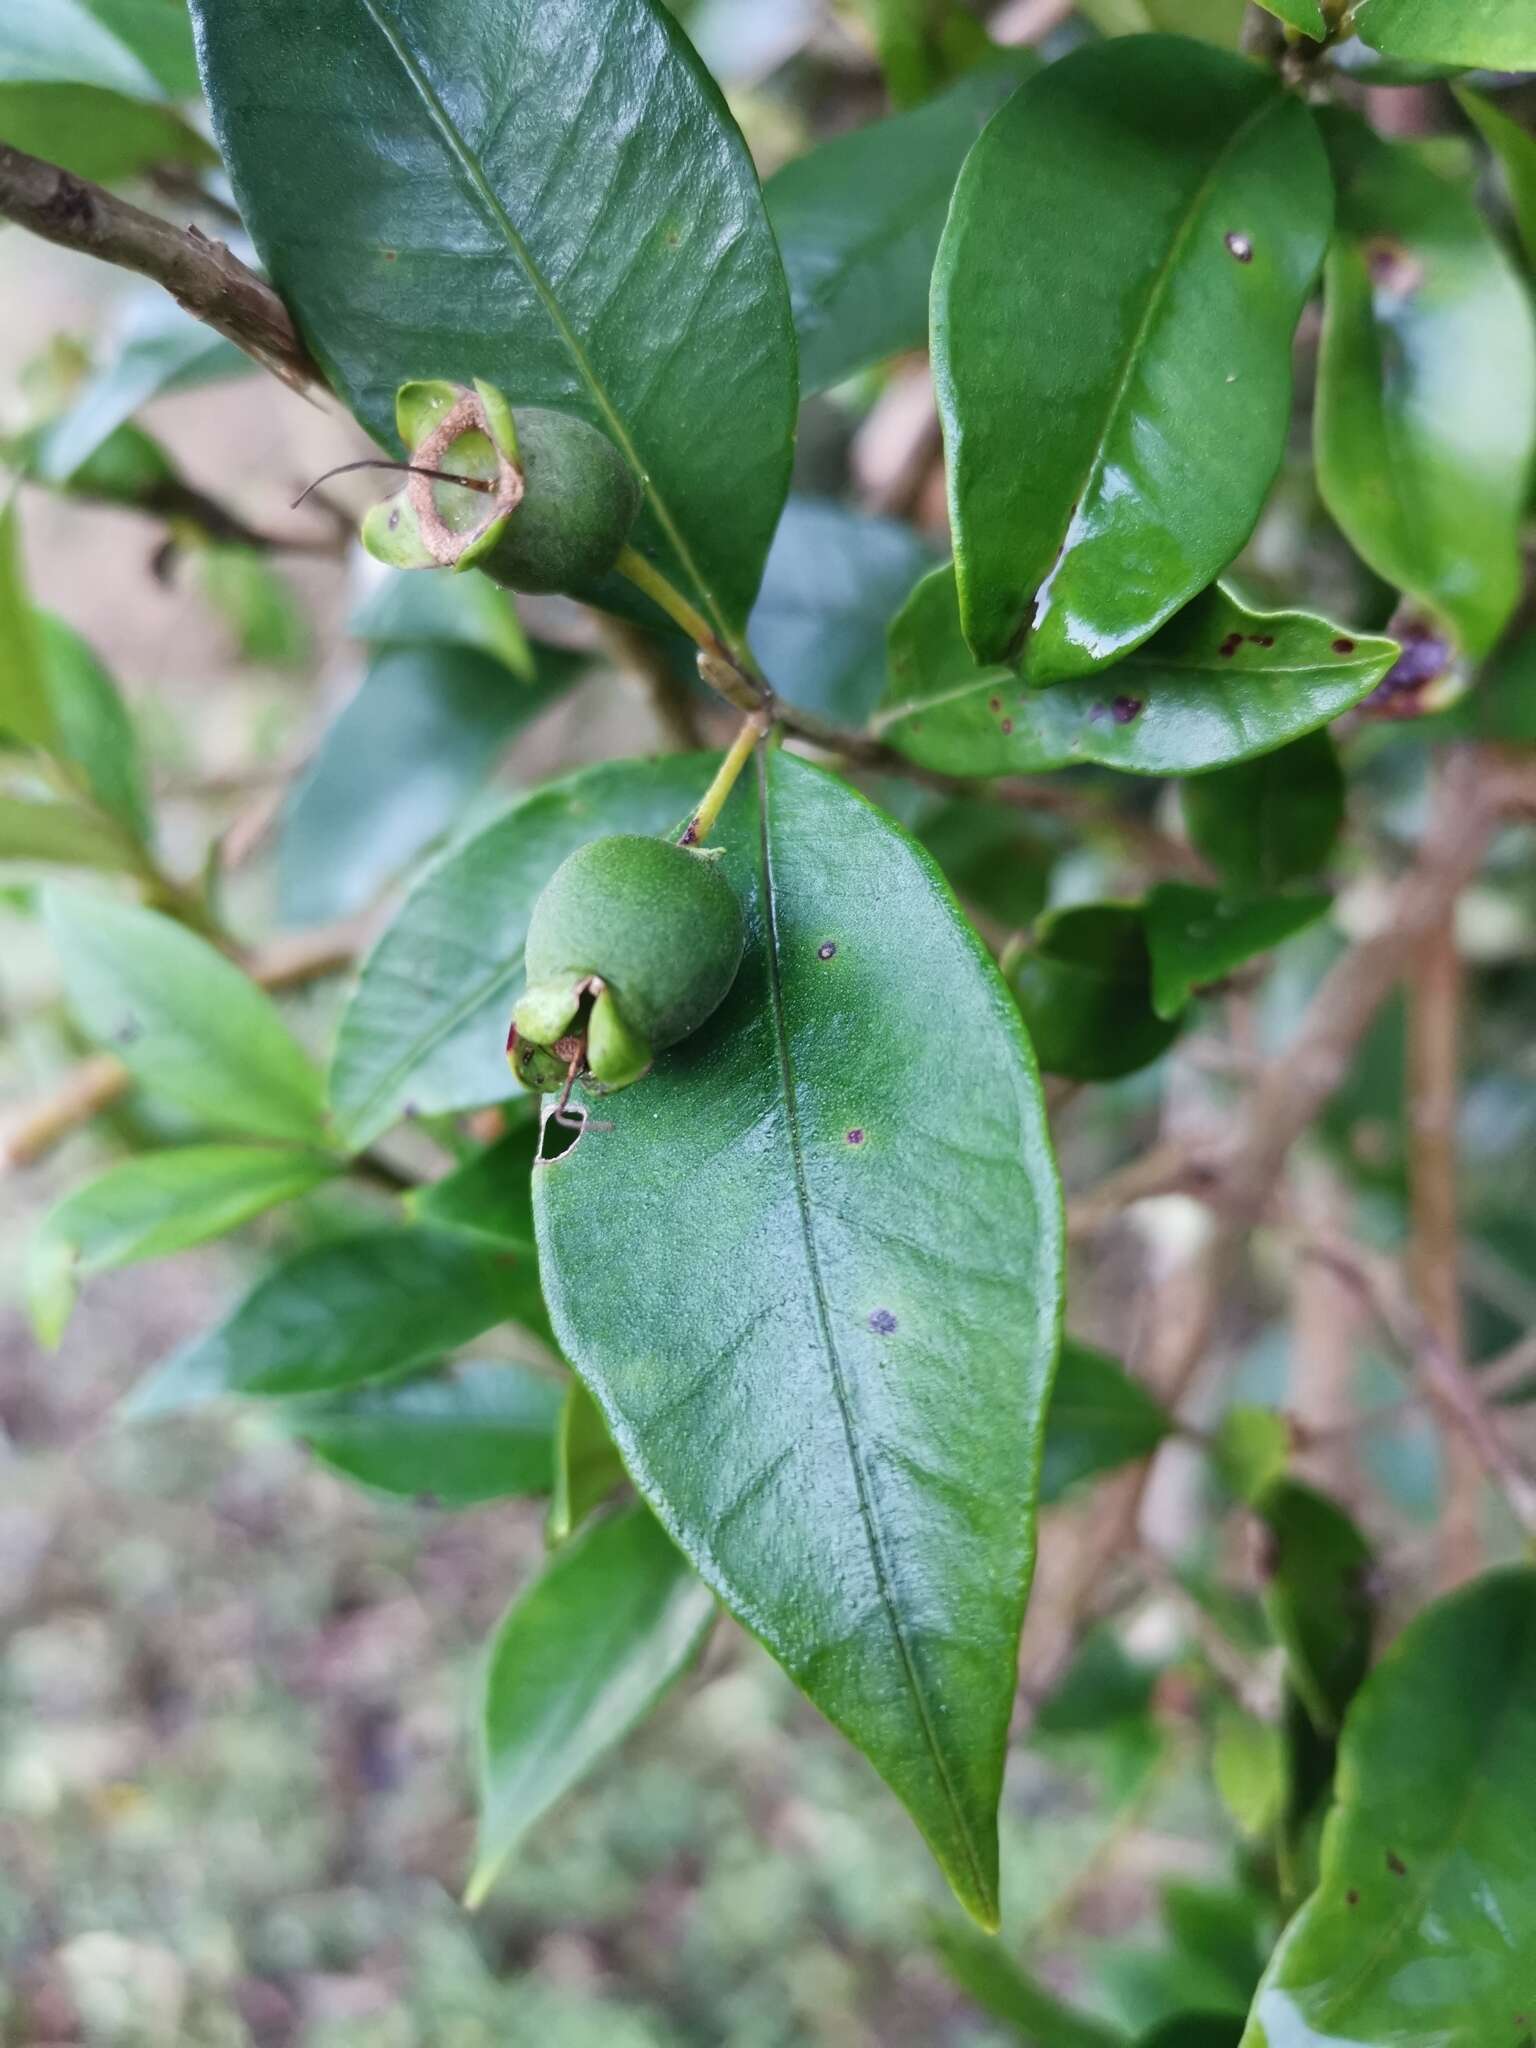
(338,1314)
(1269,821)
(155,350)
(1426,398)
(859,218)
(832,1397)
(94,133)
(491,1195)
(149,1207)
(577,1661)
(1217,684)
(189,1024)
(427,1026)
(1195,2030)
(990,1978)
(1084,987)
(835,579)
(588,1468)
(1099,1418)
(1515,148)
(407,609)
(25,712)
(394,770)
(1197,938)
(91,726)
(1113,353)
(1498,35)
(483,1431)
(550,194)
(1305,16)
(63,833)
(1423,1926)
(1318,1572)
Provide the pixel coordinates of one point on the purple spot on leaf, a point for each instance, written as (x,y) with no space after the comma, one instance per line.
(882,1322)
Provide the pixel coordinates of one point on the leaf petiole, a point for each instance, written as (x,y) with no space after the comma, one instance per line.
(741,750)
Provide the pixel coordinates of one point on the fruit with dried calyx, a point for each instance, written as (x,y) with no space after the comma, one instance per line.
(632,945)
(548,502)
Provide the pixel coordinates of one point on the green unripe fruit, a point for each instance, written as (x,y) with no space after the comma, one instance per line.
(631,946)
(557,503)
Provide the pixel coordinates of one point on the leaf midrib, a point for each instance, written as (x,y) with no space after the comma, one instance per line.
(873,1533)
(480,185)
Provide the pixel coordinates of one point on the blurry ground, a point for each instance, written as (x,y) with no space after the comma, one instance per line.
(234,1694)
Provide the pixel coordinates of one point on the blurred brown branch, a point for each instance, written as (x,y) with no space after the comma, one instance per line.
(201,275)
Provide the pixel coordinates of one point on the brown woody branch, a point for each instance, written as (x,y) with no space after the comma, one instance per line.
(200,274)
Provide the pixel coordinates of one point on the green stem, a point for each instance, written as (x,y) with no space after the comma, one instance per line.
(727,671)
(702,823)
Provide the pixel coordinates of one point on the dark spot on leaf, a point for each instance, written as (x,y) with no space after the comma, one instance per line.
(391,255)
(1262,639)
(691,836)
(1006,726)
(1343,646)
(1125,709)
(128,1032)
(1352,1897)
(994,703)
(1229,646)
(1396,1864)
(855,1137)
(882,1322)
(1240,247)
(826,952)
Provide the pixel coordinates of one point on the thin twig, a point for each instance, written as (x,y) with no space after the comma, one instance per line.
(96,1083)
(200,274)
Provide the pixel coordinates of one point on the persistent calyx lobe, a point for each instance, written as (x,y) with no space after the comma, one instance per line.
(631,946)
(549,504)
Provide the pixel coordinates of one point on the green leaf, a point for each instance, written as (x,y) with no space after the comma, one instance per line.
(549,194)
(25,712)
(85,42)
(588,1468)
(149,1207)
(427,1026)
(1274,820)
(858,220)
(1251,1448)
(1084,987)
(577,1661)
(1305,16)
(1099,1418)
(991,858)
(1195,2030)
(922,44)
(95,133)
(1424,1923)
(91,725)
(394,771)
(834,580)
(832,1399)
(490,1196)
(1197,938)
(1515,149)
(1217,684)
(1218,1928)
(1317,1594)
(187,1022)
(256,602)
(484,1431)
(159,33)
(1499,35)
(1248,1768)
(341,1313)
(1426,397)
(990,1978)
(61,832)
(1112,353)
(156,349)
(407,609)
